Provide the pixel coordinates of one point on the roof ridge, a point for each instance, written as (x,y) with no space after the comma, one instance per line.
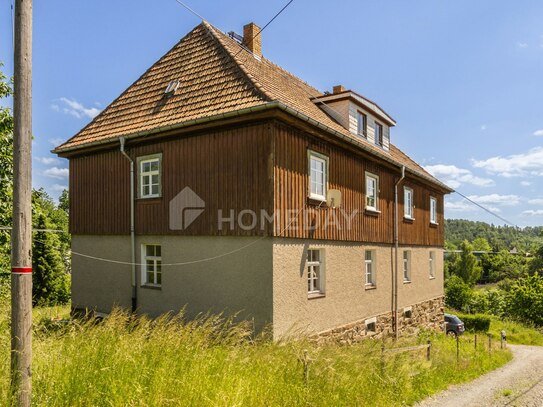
(257,85)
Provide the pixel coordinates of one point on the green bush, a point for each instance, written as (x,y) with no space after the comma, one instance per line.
(525,300)
(457,293)
(476,322)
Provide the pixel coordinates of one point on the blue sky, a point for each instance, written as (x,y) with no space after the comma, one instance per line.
(463,79)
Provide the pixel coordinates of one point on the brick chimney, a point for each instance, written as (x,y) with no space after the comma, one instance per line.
(338,89)
(252,39)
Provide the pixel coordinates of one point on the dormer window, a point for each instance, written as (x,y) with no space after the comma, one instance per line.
(361,124)
(378,134)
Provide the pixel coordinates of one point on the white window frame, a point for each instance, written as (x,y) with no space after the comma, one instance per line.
(157,266)
(361,117)
(369,323)
(371,265)
(318,288)
(149,174)
(312,155)
(374,177)
(406,266)
(408,203)
(433,210)
(432,264)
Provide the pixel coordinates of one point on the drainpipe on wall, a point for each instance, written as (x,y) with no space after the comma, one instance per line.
(132,231)
(396,249)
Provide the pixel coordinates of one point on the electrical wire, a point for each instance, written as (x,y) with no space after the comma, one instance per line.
(486,209)
(191,10)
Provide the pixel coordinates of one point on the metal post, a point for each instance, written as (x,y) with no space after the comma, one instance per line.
(21,236)
(429,350)
(475,341)
(489,343)
(457,348)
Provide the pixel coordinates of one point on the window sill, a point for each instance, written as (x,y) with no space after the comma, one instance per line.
(434,224)
(149,199)
(151,286)
(314,201)
(371,211)
(407,281)
(408,219)
(432,278)
(371,287)
(312,296)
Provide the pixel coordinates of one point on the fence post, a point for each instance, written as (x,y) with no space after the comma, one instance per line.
(382,359)
(429,350)
(475,341)
(501,342)
(490,343)
(306,368)
(457,348)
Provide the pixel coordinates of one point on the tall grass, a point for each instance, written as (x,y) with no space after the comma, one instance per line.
(124,361)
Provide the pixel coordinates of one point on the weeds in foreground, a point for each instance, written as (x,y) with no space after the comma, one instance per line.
(127,361)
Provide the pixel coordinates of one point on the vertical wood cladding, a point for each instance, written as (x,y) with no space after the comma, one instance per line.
(228,169)
(260,167)
(347,174)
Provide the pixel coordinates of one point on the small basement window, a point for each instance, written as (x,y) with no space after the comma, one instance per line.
(407,312)
(371,325)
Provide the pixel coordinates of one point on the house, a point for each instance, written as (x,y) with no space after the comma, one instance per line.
(220,182)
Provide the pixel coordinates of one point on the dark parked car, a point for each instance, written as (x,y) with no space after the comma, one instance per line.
(454,326)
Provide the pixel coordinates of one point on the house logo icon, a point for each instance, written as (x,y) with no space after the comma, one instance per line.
(185,208)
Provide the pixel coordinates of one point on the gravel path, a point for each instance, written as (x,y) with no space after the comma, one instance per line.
(518,383)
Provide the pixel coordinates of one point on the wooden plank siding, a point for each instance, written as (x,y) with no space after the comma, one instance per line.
(347,174)
(228,169)
(257,167)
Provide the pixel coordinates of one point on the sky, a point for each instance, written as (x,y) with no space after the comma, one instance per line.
(463,79)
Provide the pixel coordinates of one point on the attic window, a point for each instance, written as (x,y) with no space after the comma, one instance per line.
(171,88)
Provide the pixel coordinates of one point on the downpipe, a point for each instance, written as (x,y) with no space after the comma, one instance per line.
(132,229)
(396,254)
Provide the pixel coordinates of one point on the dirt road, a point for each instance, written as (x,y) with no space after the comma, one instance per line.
(518,383)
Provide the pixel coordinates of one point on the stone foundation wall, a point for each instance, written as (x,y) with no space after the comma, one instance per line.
(423,315)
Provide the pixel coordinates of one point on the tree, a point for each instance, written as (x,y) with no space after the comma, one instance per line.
(467,267)
(536,264)
(50,282)
(525,299)
(6,172)
(457,293)
(481,244)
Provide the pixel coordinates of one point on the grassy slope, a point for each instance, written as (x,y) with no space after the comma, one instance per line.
(120,362)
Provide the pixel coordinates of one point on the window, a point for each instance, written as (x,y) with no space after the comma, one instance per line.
(361,123)
(317,176)
(408,203)
(371,324)
(372,191)
(315,283)
(406,266)
(408,312)
(433,210)
(149,176)
(152,264)
(378,134)
(369,264)
(432,264)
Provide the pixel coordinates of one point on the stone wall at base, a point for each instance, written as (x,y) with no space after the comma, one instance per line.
(423,315)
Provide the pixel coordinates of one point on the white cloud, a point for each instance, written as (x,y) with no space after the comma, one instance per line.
(531,212)
(459,206)
(55,172)
(525,183)
(536,201)
(454,176)
(516,165)
(538,132)
(75,108)
(47,160)
(522,45)
(496,199)
(58,187)
(56,141)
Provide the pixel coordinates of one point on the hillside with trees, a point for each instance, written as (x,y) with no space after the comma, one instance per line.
(527,239)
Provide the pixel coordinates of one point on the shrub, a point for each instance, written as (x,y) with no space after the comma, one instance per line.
(525,300)
(457,293)
(476,322)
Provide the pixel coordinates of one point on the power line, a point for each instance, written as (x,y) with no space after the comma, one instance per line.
(486,209)
(191,10)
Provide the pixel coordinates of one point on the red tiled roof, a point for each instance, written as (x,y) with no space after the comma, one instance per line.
(217,75)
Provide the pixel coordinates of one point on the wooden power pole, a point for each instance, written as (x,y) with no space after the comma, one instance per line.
(21,236)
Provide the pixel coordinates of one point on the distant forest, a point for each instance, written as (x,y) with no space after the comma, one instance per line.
(527,239)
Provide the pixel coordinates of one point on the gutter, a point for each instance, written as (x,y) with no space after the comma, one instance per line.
(132,229)
(254,109)
(396,250)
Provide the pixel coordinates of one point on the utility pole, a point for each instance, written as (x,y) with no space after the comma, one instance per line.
(21,236)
